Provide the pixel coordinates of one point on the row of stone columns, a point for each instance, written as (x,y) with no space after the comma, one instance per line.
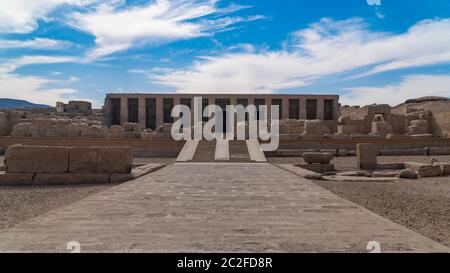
(211,100)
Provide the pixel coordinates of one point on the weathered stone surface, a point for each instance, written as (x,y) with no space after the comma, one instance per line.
(445,168)
(36,159)
(100,160)
(70,178)
(386,173)
(424,170)
(439,151)
(318,168)
(304,173)
(418,127)
(315,128)
(401,152)
(421,136)
(408,174)
(22,130)
(367,156)
(318,158)
(15,179)
(390,166)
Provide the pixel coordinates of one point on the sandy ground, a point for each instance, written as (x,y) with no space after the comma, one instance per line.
(422,205)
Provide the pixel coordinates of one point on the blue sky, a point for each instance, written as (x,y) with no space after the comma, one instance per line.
(82,49)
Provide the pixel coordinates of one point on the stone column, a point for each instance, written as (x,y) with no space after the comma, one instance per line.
(159,111)
(141,111)
(335,109)
(285,103)
(320,109)
(123,109)
(302,108)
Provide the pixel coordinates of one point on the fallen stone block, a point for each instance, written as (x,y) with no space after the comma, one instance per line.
(445,168)
(36,159)
(318,158)
(408,174)
(70,178)
(304,173)
(15,179)
(424,170)
(100,160)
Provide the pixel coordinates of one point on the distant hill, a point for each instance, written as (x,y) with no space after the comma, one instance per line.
(19,104)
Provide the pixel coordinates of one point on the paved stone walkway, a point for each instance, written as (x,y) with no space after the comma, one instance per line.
(199,207)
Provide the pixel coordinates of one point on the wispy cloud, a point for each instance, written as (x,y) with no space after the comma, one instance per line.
(36,43)
(325,48)
(117,28)
(21,16)
(412,86)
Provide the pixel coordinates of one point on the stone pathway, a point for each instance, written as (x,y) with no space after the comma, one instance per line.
(219,207)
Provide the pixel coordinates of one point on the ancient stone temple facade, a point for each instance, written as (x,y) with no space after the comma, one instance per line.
(152,110)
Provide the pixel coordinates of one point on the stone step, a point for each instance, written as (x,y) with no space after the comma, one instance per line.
(188,151)
(255,151)
(222,150)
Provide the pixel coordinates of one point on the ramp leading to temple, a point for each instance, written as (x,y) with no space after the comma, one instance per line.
(233,151)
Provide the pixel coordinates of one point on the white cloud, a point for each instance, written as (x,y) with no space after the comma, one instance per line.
(12,65)
(21,16)
(34,88)
(36,43)
(323,49)
(118,28)
(412,86)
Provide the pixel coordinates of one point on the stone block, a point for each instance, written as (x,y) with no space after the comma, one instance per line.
(421,136)
(424,170)
(14,179)
(315,128)
(100,160)
(439,151)
(70,178)
(408,174)
(402,152)
(390,166)
(37,159)
(24,129)
(318,158)
(445,168)
(367,156)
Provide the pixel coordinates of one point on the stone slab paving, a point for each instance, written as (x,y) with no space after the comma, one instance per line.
(203,207)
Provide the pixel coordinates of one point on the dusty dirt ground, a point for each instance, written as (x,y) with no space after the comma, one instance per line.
(422,205)
(20,203)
